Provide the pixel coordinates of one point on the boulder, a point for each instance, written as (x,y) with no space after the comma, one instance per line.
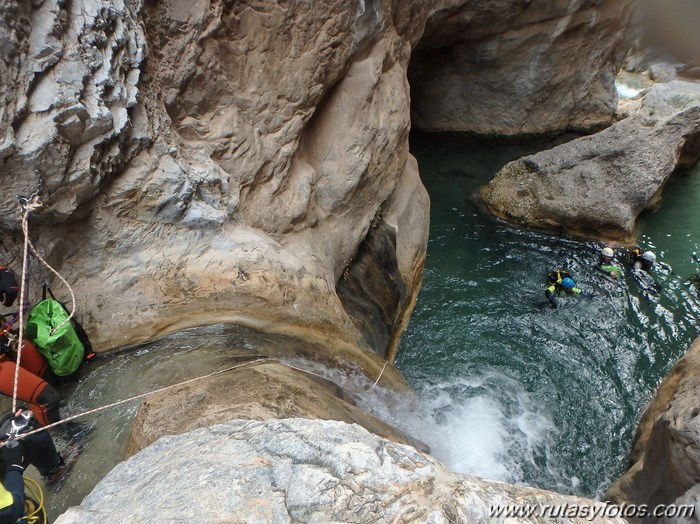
(296,470)
(508,68)
(596,186)
(666,458)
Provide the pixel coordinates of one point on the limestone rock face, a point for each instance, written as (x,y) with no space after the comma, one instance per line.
(504,67)
(213,161)
(299,471)
(373,288)
(596,186)
(69,88)
(259,391)
(666,455)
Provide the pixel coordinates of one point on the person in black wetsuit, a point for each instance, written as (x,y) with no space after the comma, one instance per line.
(642,264)
(559,283)
(37,449)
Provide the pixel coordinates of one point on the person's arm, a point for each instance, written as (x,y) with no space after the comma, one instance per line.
(12,453)
(608,269)
(14,484)
(612,270)
(550,293)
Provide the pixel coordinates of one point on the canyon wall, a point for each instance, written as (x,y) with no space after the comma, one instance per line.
(666,456)
(209,161)
(510,68)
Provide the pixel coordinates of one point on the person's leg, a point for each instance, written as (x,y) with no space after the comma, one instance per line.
(42,398)
(41,452)
(47,400)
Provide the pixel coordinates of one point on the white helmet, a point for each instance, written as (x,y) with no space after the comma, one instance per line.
(649,256)
(607,252)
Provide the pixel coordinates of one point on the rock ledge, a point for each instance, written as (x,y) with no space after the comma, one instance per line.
(295,470)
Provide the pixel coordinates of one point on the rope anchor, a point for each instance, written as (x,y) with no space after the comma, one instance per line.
(29,204)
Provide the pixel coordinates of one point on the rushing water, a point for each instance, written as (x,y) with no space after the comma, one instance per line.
(518,391)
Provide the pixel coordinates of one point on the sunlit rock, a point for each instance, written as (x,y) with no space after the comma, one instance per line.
(307,471)
(205,162)
(596,186)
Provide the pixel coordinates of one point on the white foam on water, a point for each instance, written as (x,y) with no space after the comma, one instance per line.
(486,426)
(625,91)
(472,440)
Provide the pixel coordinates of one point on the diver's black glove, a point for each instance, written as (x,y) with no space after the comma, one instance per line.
(13,455)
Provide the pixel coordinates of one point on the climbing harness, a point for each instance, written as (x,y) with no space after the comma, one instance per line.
(11,428)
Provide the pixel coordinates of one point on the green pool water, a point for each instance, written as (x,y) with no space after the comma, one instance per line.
(517,391)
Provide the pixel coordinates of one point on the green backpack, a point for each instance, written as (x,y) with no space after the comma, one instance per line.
(63,349)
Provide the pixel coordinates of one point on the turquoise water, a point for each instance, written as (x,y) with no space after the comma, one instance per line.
(518,391)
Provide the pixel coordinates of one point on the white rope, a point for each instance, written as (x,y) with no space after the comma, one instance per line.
(22,291)
(29,205)
(165,388)
(380,376)
(136,397)
(34,204)
(65,283)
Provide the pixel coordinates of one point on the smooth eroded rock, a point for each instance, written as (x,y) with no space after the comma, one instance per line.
(259,391)
(596,186)
(211,161)
(301,471)
(666,456)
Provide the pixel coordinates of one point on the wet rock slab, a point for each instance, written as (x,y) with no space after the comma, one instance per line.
(260,390)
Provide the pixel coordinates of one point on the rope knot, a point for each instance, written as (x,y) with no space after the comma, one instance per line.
(31,203)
